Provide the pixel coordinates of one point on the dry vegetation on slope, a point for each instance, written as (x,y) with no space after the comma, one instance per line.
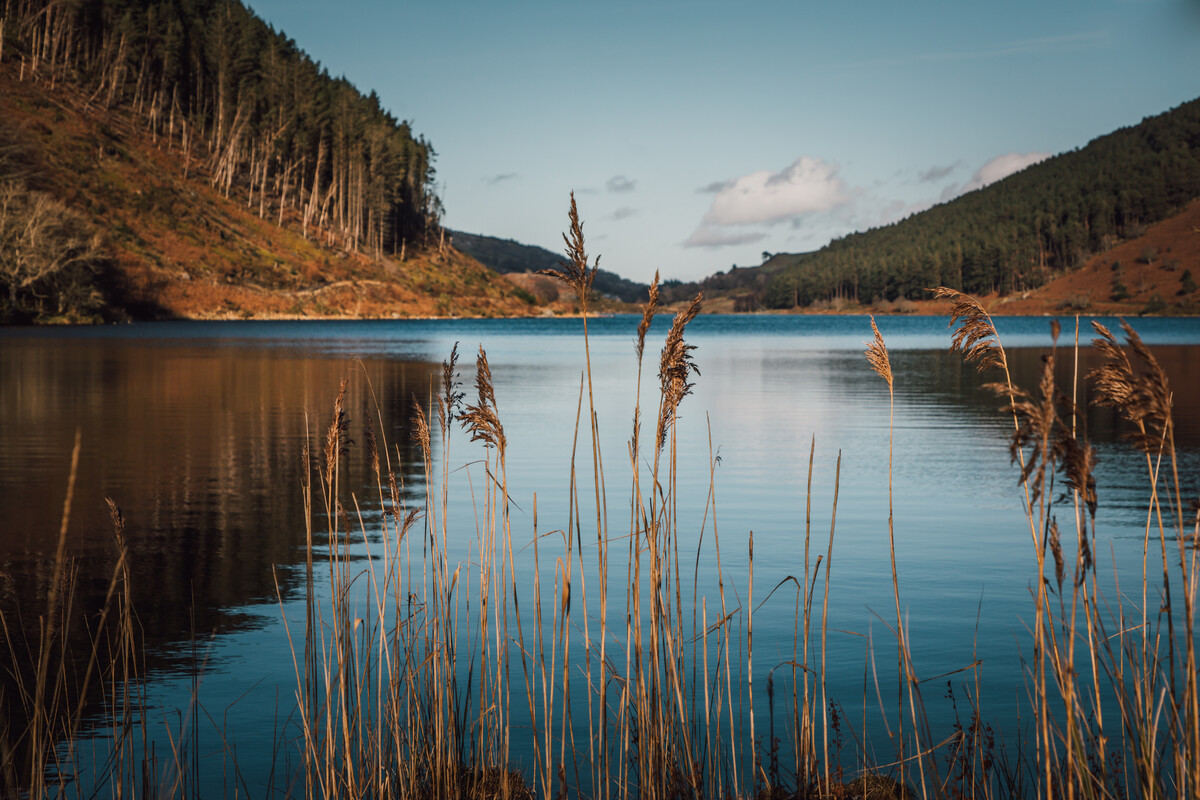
(1155,273)
(176,247)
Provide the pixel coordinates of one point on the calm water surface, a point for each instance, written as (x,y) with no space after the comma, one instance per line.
(198,431)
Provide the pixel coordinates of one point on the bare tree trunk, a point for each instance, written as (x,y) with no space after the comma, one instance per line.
(315,192)
(116,73)
(253,175)
(287,178)
(171,122)
(187,149)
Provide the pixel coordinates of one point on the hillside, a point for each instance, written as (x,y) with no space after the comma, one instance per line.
(515,260)
(1008,238)
(1156,273)
(120,201)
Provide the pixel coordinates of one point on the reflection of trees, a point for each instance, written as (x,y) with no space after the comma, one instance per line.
(946,376)
(202,449)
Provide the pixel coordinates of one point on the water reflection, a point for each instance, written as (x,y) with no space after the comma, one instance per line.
(200,445)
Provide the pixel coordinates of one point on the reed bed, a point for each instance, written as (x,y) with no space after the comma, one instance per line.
(434,673)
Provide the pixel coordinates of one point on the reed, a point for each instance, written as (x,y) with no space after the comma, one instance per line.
(422,668)
(1145,665)
(412,676)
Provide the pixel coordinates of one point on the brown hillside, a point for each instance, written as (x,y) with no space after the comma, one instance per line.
(1160,271)
(182,249)
(1154,269)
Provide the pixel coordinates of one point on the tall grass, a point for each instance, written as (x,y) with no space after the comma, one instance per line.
(436,672)
(1113,679)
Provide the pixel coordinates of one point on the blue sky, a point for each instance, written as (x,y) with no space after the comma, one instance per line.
(697,135)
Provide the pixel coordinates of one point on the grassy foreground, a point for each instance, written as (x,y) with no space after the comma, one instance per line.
(609,678)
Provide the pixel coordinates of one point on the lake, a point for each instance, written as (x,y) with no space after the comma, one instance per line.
(198,431)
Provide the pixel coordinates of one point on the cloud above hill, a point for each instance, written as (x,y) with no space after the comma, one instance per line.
(936,172)
(811,196)
(712,237)
(1001,167)
(764,198)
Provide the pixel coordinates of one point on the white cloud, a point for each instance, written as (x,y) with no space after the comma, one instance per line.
(808,186)
(624,212)
(495,179)
(714,187)
(811,198)
(1001,167)
(705,236)
(935,173)
(620,184)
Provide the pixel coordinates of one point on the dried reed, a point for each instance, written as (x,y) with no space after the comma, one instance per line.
(409,660)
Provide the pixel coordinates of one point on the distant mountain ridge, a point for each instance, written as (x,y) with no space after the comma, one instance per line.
(1009,237)
(507,256)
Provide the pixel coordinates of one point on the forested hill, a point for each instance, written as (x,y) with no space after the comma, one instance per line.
(1013,235)
(244,102)
(507,256)
(182,158)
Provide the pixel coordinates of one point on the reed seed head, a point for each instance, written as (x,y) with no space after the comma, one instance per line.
(394,491)
(481,419)
(575,271)
(676,367)
(877,355)
(451,399)
(1036,418)
(647,316)
(410,518)
(337,438)
(1077,461)
(117,519)
(976,338)
(420,431)
(1144,398)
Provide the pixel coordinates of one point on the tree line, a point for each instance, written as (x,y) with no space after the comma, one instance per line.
(244,106)
(505,256)
(1013,235)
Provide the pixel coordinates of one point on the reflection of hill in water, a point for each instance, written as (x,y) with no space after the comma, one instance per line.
(945,376)
(202,449)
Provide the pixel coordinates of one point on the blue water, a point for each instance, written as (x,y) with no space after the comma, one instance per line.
(226,405)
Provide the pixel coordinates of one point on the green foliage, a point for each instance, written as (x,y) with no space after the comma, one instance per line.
(261,117)
(1119,290)
(1014,234)
(1187,284)
(525,296)
(1155,305)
